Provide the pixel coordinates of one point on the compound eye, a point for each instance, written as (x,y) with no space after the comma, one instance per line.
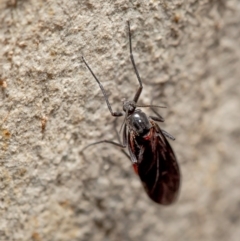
(131,108)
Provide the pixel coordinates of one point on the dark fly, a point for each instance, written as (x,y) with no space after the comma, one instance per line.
(151,155)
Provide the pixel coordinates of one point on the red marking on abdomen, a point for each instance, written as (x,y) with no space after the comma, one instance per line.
(148,136)
(135,167)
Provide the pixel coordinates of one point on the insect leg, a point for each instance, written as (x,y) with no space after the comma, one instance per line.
(158,118)
(155,118)
(167,135)
(121,145)
(159,130)
(138,93)
(117,113)
(115,129)
(104,141)
(124,138)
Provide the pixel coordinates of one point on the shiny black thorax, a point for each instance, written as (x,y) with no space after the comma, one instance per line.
(138,123)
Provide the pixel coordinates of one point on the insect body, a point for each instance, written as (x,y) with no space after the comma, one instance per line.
(153,158)
(151,155)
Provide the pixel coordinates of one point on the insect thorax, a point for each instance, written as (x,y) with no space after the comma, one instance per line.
(139,123)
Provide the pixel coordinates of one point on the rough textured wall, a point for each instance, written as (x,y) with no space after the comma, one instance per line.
(187,53)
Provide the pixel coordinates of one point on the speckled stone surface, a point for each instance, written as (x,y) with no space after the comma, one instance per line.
(188,55)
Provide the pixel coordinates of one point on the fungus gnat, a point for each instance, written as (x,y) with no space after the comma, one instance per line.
(151,155)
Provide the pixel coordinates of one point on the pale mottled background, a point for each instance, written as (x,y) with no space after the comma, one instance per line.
(187,53)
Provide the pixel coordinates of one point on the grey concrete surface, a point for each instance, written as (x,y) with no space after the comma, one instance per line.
(187,53)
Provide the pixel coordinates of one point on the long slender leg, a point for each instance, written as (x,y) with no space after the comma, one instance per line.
(138,93)
(117,133)
(159,130)
(155,118)
(158,118)
(104,141)
(121,145)
(168,135)
(117,113)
